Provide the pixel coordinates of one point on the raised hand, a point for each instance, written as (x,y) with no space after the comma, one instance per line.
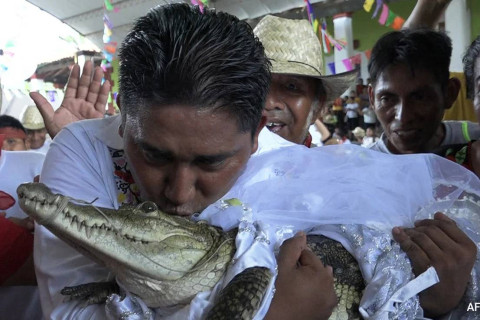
(304,286)
(439,243)
(85,98)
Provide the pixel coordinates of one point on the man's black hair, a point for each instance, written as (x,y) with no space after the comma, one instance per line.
(177,55)
(7,121)
(469,60)
(417,48)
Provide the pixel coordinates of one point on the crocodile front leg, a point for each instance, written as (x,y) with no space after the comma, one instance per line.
(95,292)
(242,297)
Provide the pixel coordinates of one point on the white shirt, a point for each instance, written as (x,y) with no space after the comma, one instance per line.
(17,167)
(351,110)
(369,115)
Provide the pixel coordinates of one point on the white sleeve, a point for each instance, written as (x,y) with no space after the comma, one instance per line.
(70,169)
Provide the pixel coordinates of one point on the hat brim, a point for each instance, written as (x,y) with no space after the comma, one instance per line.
(34,126)
(335,84)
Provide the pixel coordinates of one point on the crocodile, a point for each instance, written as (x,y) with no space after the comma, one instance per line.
(166,260)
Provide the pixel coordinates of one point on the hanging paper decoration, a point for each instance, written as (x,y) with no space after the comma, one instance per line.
(309,11)
(387,18)
(51,95)
(377,8)
(109,6)
(383,15)
(348,64)
(368,5)
(110,47)
(390,18)
(331,66)
(398,23)
(315,26)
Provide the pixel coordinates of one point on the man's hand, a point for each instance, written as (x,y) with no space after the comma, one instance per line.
(85,98)
(304,286)
(441,244)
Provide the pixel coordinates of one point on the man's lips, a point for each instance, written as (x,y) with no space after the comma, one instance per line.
(275,126)
(407,133)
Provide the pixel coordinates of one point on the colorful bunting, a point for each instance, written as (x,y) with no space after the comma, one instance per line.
(377,8)
(387,18)
(108,5)
(348,64)
(110,47)
(383,15)
(390,18)
(331,66)
(398,23)
(368,5)
(325,42)
(309,11)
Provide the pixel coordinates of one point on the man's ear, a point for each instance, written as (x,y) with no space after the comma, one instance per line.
(452,90)
(262,123)
(371,96)
(117,100)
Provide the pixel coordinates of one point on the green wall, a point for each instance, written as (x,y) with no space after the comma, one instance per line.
(474,6)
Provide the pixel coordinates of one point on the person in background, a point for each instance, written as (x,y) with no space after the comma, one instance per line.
(352,110)
(15,135)
(359,87)
(33,123)
(370,137)
(410,91)
(319,132)
(298,90)
(358,135)
(337,110)
(18,288)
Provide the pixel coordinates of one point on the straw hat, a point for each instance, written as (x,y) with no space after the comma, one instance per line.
(358,132)
(32,119)
(293,48)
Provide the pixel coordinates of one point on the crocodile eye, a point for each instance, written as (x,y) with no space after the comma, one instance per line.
(148,207)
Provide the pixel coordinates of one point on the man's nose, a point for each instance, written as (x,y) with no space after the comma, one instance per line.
(180,185)
(403,112)
(274,100)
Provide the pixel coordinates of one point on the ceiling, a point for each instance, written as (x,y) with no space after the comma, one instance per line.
(86,16)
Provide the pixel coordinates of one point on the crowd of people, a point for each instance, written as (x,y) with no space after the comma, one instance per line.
(193,130)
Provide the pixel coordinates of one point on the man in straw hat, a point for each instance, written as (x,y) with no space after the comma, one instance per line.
(298,90)
(36,132)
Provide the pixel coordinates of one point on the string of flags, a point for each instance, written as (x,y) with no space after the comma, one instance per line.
(387,17)
(327,40)
(109,46)
(352,62)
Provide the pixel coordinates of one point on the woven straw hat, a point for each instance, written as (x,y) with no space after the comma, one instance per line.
(358,132)
(293,48)
(32,119)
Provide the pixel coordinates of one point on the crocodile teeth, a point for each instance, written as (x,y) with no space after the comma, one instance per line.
(74,220)
(88,231)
